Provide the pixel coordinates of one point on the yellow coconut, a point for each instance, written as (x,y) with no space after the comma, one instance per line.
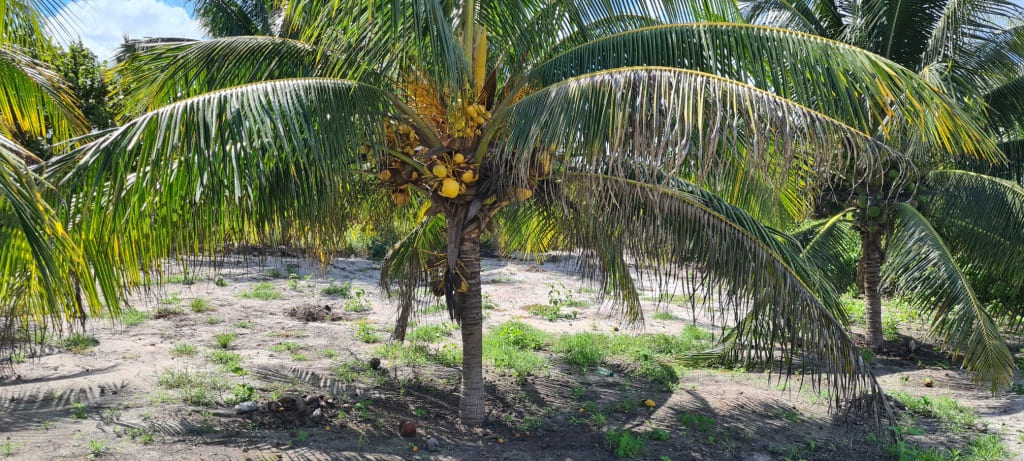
(385,175)
(458,158)
(449,188)
(468,177)
(439,170)
(523,194)
(649,403)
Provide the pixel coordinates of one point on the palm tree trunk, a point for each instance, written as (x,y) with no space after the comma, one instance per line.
(471,408)
(402,323)
(870,272)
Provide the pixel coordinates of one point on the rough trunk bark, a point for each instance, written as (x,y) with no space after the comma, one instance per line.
(871,269)
(471,407)
(402,323)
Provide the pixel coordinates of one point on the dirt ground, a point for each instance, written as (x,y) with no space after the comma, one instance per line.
(108,401)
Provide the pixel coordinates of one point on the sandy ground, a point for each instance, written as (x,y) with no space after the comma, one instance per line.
(106,401)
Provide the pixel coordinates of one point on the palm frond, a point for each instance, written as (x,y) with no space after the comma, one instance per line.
(172,72)
(922,269)
(658,234)
(262,162)
(39,263)
(831,248)
(849,84)
(35,99)
(228,18)
(675,122)
(980,217)
(963,21)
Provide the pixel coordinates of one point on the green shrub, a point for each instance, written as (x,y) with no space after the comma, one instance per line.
(183,349)
(264,291)
(624,444)
(224,340)
(583,350)
(131,317)
(79,342)
(431,333)
(366,333)
(200,305)
(359,303)
(520,335)
(951,413)
(342,291)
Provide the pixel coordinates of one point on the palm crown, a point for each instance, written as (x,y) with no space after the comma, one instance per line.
(604,128)
(920,248)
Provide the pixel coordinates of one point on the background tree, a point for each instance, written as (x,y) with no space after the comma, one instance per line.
(592,125)
(919,240)
(84,73)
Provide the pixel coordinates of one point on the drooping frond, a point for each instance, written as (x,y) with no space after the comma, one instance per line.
(255,163)
(379,34)
(922,269)
(981,218)
(40,266)
(677,123)
(227,18)
(849,84)
(415,261)
(800,15)
(831,248)
(34,99)
(177,71)
(667,231)
(963,21)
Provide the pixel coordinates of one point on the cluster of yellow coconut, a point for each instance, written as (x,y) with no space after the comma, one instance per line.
(451,174)
(467,123)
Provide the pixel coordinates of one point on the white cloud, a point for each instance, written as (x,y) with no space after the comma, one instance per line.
(101,24)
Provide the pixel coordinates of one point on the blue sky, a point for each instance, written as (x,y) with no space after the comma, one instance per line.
(100,24)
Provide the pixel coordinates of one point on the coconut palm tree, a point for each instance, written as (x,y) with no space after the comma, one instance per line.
(41,262)
(917,240)
(602,128)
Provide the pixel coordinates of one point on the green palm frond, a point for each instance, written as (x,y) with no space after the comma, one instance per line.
(40,265)
(414,261)
(380,34)
(834,249)
(228,18)
(177,71)
(251,163)
(813,17)
(667,231)
(844,82)
(35,99)
(922,269)
(675,122)
(980,217)
(964,21)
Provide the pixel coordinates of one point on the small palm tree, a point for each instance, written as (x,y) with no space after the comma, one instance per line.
(601,128)
(917,239)
(40,261)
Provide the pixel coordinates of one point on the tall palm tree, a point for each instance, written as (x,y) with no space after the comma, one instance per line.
(917,240)
(603,127)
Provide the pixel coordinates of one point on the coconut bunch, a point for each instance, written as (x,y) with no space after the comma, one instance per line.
(451,174)
(467,122)
(870,214)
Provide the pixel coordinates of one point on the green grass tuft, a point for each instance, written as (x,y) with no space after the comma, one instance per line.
(431,333)
(79,343)
(200,305)
(263,291)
